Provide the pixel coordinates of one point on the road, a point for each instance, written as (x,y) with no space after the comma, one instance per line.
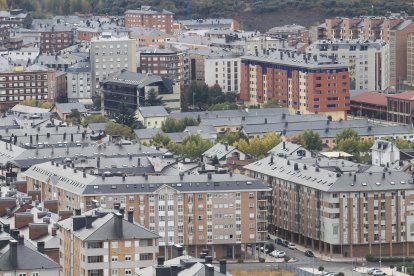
(301,262)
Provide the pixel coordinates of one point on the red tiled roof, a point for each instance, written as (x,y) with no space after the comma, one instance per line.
(371,97)
(407,95)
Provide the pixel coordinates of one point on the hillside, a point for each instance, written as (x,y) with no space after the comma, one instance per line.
(253,14)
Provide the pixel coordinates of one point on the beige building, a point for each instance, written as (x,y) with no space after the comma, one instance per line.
(152,116)
(217,211)
(345,211)
(105,244)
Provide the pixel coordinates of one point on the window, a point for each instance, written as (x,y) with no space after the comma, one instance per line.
(128,258)
(114,244)
(22,274)
(114,258)
(114,272)
(35,273)
(128,272)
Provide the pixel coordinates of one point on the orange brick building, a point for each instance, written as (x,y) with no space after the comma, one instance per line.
(150,17)
(303,83)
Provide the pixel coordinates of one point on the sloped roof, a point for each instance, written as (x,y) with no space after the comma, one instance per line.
(371,97)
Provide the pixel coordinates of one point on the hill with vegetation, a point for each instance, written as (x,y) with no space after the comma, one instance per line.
(253,14)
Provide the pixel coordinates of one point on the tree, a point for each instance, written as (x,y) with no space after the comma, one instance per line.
(223,106)
(96,118)
(34,103)
(345,134)
(193,146)
(402,144)
(75,116)
(160,139)
(271,103)
(229,137)
(153,99)
(197,95)
(321,268)
(310,140)
(125,116)
(115,129)
(171,125)
(259,147)
(349,145)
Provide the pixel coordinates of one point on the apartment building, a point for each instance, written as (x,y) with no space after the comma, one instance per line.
(132,89)
(223,71)
(303,83)
(21,83)
(363,27)
(55,38)
(150,17)
(164,61)
(337,211)
(15,18)
(400,108)
(111,53)
(219,212)
(79,82)
(102,243)
(368,61)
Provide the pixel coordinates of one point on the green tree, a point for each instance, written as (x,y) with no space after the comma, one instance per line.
(230,137)
(75,116)
(171,125)
(223,106)
(310,140)
(259,147)
(197,95)
(96,118)
(153,99)
(115,129)
(160,139)
(349,145)
(125,116)
(271,103)
(193,146)
(346,133)
(402,144)
(365,145)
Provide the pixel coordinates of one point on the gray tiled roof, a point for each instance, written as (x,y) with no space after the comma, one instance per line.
(27,259)
(153,111)
(66,108)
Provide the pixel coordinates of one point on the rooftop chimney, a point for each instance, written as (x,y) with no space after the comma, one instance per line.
(209,259)
(13,252)
(41,246)
(160,260)
(21,239)
(209,270)
(223,267)
(131,216)
(88,221)
(118,217)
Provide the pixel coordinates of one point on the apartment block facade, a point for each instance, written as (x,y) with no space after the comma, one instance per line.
(109,54)
(368,61)
(20,83)
(220,212)
(149,17)
(223,71)
(303,83)
(165,62)
(352,214)
(54,39)
(79,82)
(105,244)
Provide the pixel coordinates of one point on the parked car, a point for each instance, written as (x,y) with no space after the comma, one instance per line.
(378,272)
(371,271)
(285,243)
(309,253)
(278,254)
(264,249)
(279,241)
(291,246)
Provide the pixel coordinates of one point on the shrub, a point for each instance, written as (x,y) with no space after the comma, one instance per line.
(262,260)
(340,274)
(321,268)
(287,259)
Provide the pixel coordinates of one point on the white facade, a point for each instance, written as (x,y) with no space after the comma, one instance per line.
(261,43)
(24,54)
(79,83)
(384,153)
(368,62)
(223,71)
(110,54)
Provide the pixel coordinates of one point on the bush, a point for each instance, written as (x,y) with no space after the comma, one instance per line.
(340,274)
(370,258)
(287,259)
(321,268)
(262,260)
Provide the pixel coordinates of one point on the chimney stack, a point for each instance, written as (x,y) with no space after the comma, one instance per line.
(131,216)
(209,270)
(118,217)
(160,261)
(88,221)
(223,267)
(13,252)
(41,247)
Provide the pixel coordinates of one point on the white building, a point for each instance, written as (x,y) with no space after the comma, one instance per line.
(261,43)
(23,55)
(79,83)
(384,153)
(223,71)
(368,61)
(109,54)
